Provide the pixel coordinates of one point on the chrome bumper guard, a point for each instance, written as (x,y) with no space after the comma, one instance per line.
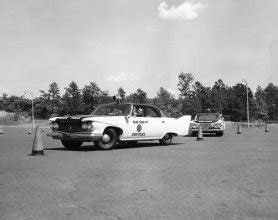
(60,135)
(208,130)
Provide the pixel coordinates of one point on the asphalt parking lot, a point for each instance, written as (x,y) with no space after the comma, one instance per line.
(229,177)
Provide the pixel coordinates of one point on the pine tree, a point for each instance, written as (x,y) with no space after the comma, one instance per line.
(72,100)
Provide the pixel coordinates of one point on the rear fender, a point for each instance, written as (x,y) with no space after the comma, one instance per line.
(181,125)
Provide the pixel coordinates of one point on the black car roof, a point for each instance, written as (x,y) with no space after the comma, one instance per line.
(131,103)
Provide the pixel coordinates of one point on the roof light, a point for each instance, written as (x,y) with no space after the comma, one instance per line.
(117,99)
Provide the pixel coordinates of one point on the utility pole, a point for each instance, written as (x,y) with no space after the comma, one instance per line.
(33,119)
(247,102)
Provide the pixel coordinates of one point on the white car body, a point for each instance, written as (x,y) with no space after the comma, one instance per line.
(209,122)
(128,126)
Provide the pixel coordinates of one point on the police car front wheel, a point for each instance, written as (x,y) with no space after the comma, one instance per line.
(108,140)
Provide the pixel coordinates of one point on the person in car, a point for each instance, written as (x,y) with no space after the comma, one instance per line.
(138,112)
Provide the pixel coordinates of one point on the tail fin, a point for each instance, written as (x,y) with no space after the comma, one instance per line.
(184,122)
(181,125)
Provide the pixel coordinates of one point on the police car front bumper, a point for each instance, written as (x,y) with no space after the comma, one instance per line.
(208,130)
(82,136)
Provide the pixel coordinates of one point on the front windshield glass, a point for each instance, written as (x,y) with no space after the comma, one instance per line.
(113,110)
(207,117)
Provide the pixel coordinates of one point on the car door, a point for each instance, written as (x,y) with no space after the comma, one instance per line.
(137,127)
(147,125)
(156,123)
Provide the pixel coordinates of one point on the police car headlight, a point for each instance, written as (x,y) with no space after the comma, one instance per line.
(194,125)
(54,125)
(87,126)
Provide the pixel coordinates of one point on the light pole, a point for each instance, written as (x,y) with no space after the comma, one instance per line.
(247,102)
(33,120)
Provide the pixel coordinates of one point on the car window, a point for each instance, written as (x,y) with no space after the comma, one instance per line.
(117,111)
(102,111)
(150,112)
(113,109)
(138,111)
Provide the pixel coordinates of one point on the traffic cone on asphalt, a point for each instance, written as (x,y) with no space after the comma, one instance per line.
(1,131)
(30,131)
(200,134)
(37,143)
(239,129)
(42,129)
(266,128)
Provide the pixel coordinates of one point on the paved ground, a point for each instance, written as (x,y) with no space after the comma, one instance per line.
(229,177)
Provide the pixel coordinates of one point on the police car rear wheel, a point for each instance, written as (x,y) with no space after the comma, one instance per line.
(166,140)
(109,140)
(72,145)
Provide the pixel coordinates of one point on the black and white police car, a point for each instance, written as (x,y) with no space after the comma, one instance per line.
(118,122)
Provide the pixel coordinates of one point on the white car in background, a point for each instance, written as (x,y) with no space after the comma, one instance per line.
(212,123)
(118,122)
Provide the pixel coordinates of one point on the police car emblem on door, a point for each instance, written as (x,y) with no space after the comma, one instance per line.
(139,128)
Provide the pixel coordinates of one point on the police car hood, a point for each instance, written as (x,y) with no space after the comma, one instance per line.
(77,117)
(112,120)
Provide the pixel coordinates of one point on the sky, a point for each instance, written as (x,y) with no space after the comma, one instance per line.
(136,44)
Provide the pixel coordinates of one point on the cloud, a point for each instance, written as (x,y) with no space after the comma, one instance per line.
(173,92)
(121,77)
(185,11)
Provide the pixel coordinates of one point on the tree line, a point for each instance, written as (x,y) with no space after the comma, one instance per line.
(193,97)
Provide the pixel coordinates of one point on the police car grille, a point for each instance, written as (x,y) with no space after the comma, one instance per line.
(205,126)
(70,125)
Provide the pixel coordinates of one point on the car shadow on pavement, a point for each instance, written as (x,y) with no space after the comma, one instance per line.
(82,148)
(141,145)
(207,135)
(92,147)
(55,148)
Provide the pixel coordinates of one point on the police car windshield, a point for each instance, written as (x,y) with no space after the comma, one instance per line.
(207,117)
(113,110)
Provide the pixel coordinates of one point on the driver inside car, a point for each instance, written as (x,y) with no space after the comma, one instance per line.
(138,112)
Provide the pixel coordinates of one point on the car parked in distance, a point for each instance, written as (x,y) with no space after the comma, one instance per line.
(212,123)
(118,122)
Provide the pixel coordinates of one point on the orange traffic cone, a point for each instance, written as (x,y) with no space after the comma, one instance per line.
(37,144)
(239,129)
(1,131)
(200,134)
(42,129)
(30,131)
(266,128)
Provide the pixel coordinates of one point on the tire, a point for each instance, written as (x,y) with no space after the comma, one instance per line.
(72,145)
(219,134)
(194,134)
(113,137)
(166,140)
